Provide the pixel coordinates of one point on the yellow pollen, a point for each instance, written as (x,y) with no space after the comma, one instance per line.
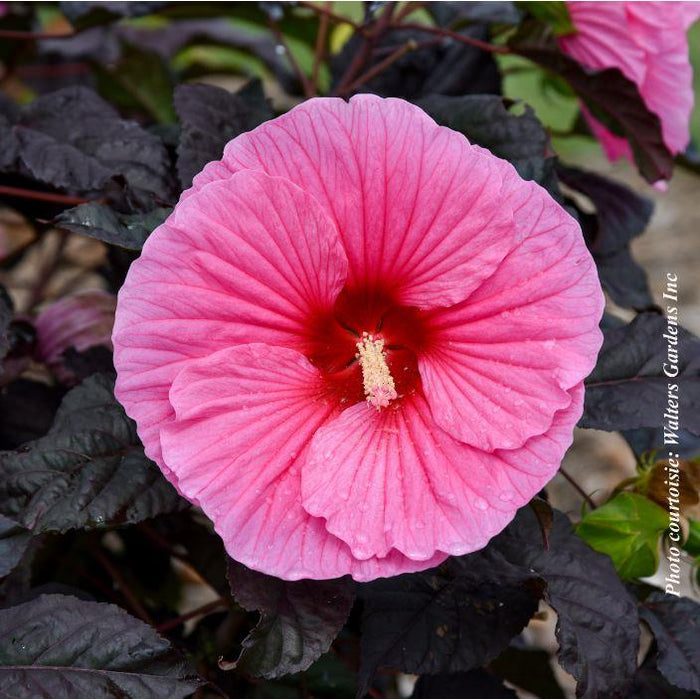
(376,377)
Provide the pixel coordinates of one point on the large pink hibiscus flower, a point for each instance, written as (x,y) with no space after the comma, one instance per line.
(358,343)
(647,41)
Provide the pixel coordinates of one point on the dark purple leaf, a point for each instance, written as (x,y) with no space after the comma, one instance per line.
(298,620)
(675,623)
(628,387)
(27,410)
(210,117)
(88,471)
(9,147)
(649,683)
(443,68)
(477,683)
(63,647)
(14,540)
(597,620)
(530,670)
(110,226)
(93,360)
(622,213)
(72,139)
(453,618)
(620,216)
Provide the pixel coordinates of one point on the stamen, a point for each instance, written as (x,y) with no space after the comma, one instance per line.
(376,377)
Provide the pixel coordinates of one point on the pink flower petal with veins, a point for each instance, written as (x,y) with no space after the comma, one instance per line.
(537,315)
(647,42)
(402,192)
(263,404)
(359,341)
(208,279)
(393,480)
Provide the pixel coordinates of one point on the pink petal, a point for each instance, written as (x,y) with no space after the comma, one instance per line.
(647,42)
(690,13)
(251,257)
(418,209)
(80,320)
(603,38)
(614,147)
(501,363)
(244,419)
(394,480)
(658,26)
(667,88)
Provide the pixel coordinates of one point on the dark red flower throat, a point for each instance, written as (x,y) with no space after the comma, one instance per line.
(334,335)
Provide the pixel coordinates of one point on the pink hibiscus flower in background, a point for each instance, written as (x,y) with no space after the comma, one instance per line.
(358,342)
(648,42)
(81,320)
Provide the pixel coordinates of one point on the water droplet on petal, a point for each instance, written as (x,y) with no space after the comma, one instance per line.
(481,504)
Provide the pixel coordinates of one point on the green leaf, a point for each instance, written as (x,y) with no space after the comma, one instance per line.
(555,14)
(209,58)
(627,528)
(100,221)
(61,647)
(692,543)
(83,15)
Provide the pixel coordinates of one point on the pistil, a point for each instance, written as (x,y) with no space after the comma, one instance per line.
(376,377)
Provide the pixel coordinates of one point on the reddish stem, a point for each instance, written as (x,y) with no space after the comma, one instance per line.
(386,50)
(323,10)
(363,54)
(204,609)
(578,488)
(305,84)
(381,66)
(42,196)
(320,52)
(130,597)
(48,71)
(28,36)
(440,31)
